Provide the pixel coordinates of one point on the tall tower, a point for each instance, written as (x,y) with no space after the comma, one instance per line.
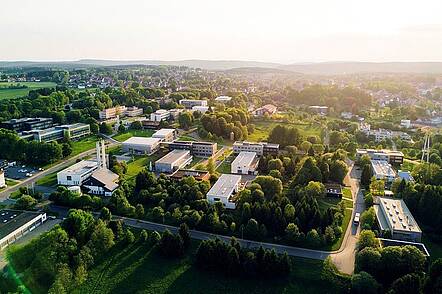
(426,148)
(101,154)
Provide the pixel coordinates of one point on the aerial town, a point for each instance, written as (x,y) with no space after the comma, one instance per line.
(205,172)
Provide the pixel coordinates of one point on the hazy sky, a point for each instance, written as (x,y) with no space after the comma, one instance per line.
(272,30)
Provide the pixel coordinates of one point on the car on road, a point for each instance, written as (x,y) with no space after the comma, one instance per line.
(356,218)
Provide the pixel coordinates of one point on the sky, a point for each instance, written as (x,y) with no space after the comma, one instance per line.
(284,31)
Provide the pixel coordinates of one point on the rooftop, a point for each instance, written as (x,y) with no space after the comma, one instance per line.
(223,98)
(163,132)
(10,220)
(81,167)
(405,175)
(173,156)
(107,177)
(244,158)
(382,168)
(142,141)
(225,186)
(397,215)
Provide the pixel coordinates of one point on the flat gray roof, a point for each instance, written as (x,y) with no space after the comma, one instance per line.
(244,158)
(173,156)
(397,215)
(142,141)
(382,168)
(225,186)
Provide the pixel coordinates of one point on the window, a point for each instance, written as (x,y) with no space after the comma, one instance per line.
(69,178)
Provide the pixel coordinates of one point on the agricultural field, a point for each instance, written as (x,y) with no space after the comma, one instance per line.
(133,133)
(15,93)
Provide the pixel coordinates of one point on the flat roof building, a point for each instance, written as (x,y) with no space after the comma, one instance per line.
(165,135)
(15,223)
(197,148)
(223,99)
(141,145)
(394,215)
(133,111)
(160,115)
(112,112)
(76,174)
(261,148)
(189,103)
(393,157)
(224,190)
(173,160)
(73,131)
(382,170)
(245,163)
(199,175)
(27,124)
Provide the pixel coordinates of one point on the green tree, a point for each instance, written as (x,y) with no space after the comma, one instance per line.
(25,202)
(367,239)
(364,283)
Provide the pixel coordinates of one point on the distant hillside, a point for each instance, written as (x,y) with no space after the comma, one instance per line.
(361,67)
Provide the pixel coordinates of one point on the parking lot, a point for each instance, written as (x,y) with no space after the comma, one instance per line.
(20,172)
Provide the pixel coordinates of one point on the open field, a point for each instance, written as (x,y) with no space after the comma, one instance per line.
(263,128)
(15,93)
(133,133)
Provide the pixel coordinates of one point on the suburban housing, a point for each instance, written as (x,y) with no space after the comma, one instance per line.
(393,215)
(224,189)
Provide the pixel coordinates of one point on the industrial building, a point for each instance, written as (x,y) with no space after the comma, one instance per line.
(224,190)
(15,223)
(189,103)
(382,170)
(141,145)
(261,148)
(393,215)
(165,135)
(245,163)
(27,124)
(160,115)
(173,160)
(199,149)
(74,131)
(393,157)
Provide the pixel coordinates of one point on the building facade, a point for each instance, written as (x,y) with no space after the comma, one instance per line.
(224,190)
(189,103)
(160,115)
(112,112)
(141,145)
(245,163)
(173,161)
(260,148)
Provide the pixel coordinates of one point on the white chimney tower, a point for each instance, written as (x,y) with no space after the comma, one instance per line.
(101,154)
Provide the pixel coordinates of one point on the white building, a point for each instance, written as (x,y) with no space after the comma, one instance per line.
(165,135)
(141,145)
(260,148)
(245,163)
(76,174)
(224,189)
(393,215)
(173,161)
(382,170)
(346,115)
(2,179)
(393,157)
(223,99)
(189,103)
(381,134)
(202,109)
(160,115)
(406,123)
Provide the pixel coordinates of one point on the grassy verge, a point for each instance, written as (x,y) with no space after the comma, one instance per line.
(140,269)
(49,180)
(346,192)
(83,145)
(133,133)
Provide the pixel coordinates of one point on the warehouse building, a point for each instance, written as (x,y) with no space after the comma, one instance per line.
(261,148)
(224,190)
(393,215)
(189,103)
(173,160)
(141,145)
(382,170)
(245,163)
(15,223)
(199,149)
(165,135)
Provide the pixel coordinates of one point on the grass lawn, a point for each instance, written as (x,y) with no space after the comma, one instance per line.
(83,145)
(225,166)
(346,192)
(15,93)
(186,138)
(49,180)
(133,133)
(140,269)
(263,128)
(139,163)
